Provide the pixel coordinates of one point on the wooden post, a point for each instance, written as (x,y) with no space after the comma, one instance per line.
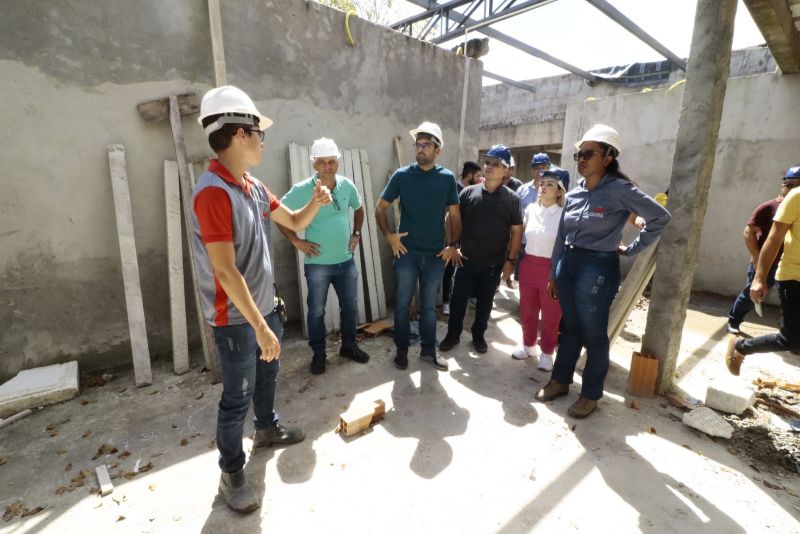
(217,49)
(130,266)
(695,147)
(372,226)
(209,347)
(177,293)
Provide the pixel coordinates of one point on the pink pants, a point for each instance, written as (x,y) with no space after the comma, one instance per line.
(533,298)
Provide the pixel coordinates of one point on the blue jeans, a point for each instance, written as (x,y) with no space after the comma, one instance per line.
(344,278)
(245,377)
(478,280)
(409,268)
(743,305)
(587,283)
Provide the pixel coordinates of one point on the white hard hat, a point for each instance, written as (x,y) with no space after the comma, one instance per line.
(324,147)
(429,128)
(235,107)
(600,133)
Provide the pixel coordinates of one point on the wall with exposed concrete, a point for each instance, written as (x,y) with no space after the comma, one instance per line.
(520,118)
(71,74)
(758,140)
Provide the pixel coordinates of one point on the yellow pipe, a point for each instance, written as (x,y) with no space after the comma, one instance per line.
(677,84)
(347,27)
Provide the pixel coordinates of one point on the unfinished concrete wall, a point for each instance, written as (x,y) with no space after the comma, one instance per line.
(759,138)
(71,74)
(520,118)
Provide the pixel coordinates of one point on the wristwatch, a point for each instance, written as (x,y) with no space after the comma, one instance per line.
(357,233)
(511,260)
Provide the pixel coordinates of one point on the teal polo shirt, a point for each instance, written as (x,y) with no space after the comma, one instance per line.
(424,198)
(330,228)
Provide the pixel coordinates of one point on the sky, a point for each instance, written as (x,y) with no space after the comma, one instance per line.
(579,34)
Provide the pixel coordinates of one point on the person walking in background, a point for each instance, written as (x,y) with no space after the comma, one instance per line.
(755,234)
(585,262)
(540,224)
(785,232)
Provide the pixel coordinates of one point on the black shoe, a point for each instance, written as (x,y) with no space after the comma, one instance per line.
(448,342)
(238,495)
(277,434)
(734,329)
(354,353)
(435,359)
(479,342)
(401,360)
(318,364)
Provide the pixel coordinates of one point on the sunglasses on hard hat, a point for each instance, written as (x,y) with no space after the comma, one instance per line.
(585,155)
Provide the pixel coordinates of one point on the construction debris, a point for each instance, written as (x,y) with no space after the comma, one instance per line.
(377,328)
(707,420)
(361,417)
(39,387)
(730,395)
(16,417)
(104,480)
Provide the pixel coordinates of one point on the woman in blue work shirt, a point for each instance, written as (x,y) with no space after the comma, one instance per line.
(585,262)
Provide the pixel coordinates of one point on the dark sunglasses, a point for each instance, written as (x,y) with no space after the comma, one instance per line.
(424,146)
(335,201)
(259,133)
(586,155)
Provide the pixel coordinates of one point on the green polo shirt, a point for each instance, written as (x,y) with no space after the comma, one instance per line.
(330,228)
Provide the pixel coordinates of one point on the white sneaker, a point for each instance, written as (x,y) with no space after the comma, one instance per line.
(446,308)
(545,362)
(522,352)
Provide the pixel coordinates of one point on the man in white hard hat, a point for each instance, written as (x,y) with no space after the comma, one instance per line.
(229,237)
(328,252)
(427,192)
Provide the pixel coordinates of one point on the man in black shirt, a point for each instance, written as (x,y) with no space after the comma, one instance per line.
(491,225)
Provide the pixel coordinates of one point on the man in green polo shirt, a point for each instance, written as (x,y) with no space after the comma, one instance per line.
(328,248)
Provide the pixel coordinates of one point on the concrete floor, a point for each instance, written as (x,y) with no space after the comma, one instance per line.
(469,450)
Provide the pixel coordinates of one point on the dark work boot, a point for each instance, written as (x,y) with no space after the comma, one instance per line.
(238,495)
(448,342)
(354,353)
(479,342)
(401,360)
(277,434)
(318,364)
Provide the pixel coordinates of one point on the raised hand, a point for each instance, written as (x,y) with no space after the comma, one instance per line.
(322,195)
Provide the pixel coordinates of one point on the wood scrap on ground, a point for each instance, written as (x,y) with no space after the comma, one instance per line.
(377,328)
(778,407)
(778,384)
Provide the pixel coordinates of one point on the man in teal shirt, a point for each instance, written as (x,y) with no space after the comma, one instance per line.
(328,248)
(426,192)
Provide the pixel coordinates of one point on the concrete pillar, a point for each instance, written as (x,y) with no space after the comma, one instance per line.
(698,128)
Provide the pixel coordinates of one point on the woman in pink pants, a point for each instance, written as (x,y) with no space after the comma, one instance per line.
(540,222)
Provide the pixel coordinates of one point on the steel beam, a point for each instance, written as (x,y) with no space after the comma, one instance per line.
(516,43)
(617,16)
(496,17)
(430,11)
(508,81)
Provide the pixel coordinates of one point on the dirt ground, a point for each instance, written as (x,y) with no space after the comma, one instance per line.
(468,450)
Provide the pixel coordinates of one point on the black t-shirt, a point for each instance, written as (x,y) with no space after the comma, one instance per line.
(486,221)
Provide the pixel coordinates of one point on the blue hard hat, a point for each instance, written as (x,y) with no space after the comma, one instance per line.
(559,173)
(540,158)
(500,152)
(792,172)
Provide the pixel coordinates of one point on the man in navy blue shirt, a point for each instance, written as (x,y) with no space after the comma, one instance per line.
(427,192)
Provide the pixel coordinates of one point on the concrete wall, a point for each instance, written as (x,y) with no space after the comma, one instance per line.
(520,118)
(71,74)
(759,138)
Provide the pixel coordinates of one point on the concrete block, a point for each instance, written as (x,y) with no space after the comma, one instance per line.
(39,387)
(730,396)
(707,420)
